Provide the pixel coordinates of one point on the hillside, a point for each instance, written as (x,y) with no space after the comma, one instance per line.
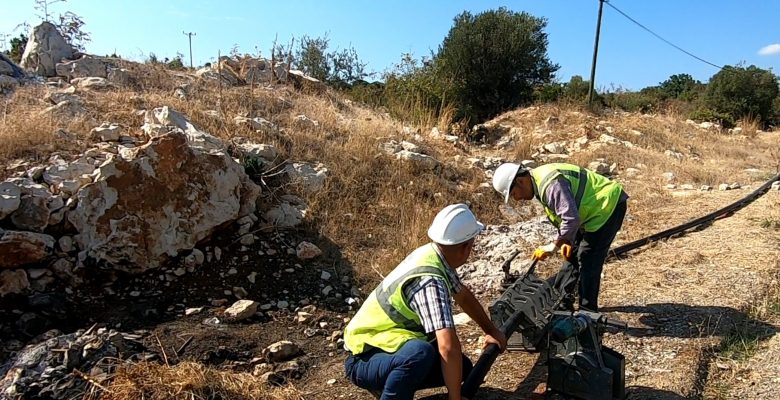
(290,195)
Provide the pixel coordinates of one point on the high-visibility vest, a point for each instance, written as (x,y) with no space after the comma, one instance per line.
(595,195)
(385,320)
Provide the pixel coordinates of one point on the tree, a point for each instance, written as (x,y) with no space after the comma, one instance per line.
(340,68)
(743,92)
(680,86)
(492,61)
(312,57)
(576,89)
(17,48)
(71,27)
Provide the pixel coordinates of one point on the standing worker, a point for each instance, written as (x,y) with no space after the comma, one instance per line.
(403,337)
(587,208)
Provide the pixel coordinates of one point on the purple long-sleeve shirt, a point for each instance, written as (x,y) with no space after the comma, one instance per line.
(560,198)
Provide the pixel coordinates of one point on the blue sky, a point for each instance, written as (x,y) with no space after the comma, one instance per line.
(719,31)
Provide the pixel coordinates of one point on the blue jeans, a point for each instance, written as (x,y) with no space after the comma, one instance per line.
(416,365)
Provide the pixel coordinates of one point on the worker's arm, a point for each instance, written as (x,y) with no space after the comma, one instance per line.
(561,200)
(471,306)
(451,361)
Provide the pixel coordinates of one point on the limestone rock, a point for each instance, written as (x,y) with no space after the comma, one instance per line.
(84,67)
(107,132)
(281,351)
(166,197)
(10,198)
(310,177)
(307,251)
(289,213)
(20,248)
(241,310)
(13,282)
(45,48)
(91,83)
(423,160)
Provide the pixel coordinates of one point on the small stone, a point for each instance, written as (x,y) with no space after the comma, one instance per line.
(671,186)
(266,307)
(723,186)
(331,381)
(282,304)
(325,275)
(686,186)
(247,239)
(775,185)
(705,188)
(193,310)
(327,290)
(217,253)
(66,244)
(232,271)
(251,277)
(241,310)
(179,271)
(135,293)
(281,351)
(239,292)
(307,250)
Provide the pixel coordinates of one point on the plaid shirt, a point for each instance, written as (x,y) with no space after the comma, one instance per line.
(429,297)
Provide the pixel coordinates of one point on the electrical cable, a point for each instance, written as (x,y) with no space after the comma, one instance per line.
(659,36)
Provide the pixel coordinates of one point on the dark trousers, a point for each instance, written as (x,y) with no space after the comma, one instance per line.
(416,365)
(592,250)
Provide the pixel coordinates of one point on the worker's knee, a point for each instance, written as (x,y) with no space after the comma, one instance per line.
(419,354)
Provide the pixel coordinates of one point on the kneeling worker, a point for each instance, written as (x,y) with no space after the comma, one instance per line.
(403,337)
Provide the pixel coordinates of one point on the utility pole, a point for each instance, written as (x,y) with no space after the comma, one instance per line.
(595,54)
(190,35)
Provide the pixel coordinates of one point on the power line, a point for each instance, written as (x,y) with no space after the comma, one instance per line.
(659,36)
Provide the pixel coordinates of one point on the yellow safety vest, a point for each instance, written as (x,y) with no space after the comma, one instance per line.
(385,320)
(595,195)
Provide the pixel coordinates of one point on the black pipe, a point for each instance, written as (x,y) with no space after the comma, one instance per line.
(489,355)
(723,212)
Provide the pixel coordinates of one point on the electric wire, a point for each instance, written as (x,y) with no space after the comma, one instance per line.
(659,36)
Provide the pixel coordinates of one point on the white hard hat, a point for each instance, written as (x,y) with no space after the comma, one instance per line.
(454,224)
(504,176)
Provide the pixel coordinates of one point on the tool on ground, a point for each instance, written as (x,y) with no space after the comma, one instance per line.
(542,312)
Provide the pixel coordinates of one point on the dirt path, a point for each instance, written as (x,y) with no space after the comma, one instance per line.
(682,299)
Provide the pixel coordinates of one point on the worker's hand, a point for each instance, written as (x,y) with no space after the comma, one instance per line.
(495,337)
(544,251)
(566,251)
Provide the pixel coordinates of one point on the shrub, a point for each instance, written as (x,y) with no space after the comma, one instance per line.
(706,114)
(742,92)
(490,62)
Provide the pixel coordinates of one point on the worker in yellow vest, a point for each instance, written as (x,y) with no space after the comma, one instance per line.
(587,208)
(403,337)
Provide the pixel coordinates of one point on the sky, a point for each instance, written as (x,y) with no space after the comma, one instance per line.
(722,32)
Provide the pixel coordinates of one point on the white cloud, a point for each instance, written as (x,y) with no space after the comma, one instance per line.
(769,50)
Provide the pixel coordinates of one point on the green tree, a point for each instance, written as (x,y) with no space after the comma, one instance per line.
(340,68)
(743,92)
(17,48)
(576,89)
(680,86)
(312,57)
(492,61)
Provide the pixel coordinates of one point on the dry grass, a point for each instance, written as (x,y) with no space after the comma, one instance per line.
(187,380)
(374,208)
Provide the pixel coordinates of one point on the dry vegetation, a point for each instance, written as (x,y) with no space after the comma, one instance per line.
(187,380)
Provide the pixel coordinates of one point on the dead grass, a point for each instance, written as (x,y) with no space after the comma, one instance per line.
(187,380)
